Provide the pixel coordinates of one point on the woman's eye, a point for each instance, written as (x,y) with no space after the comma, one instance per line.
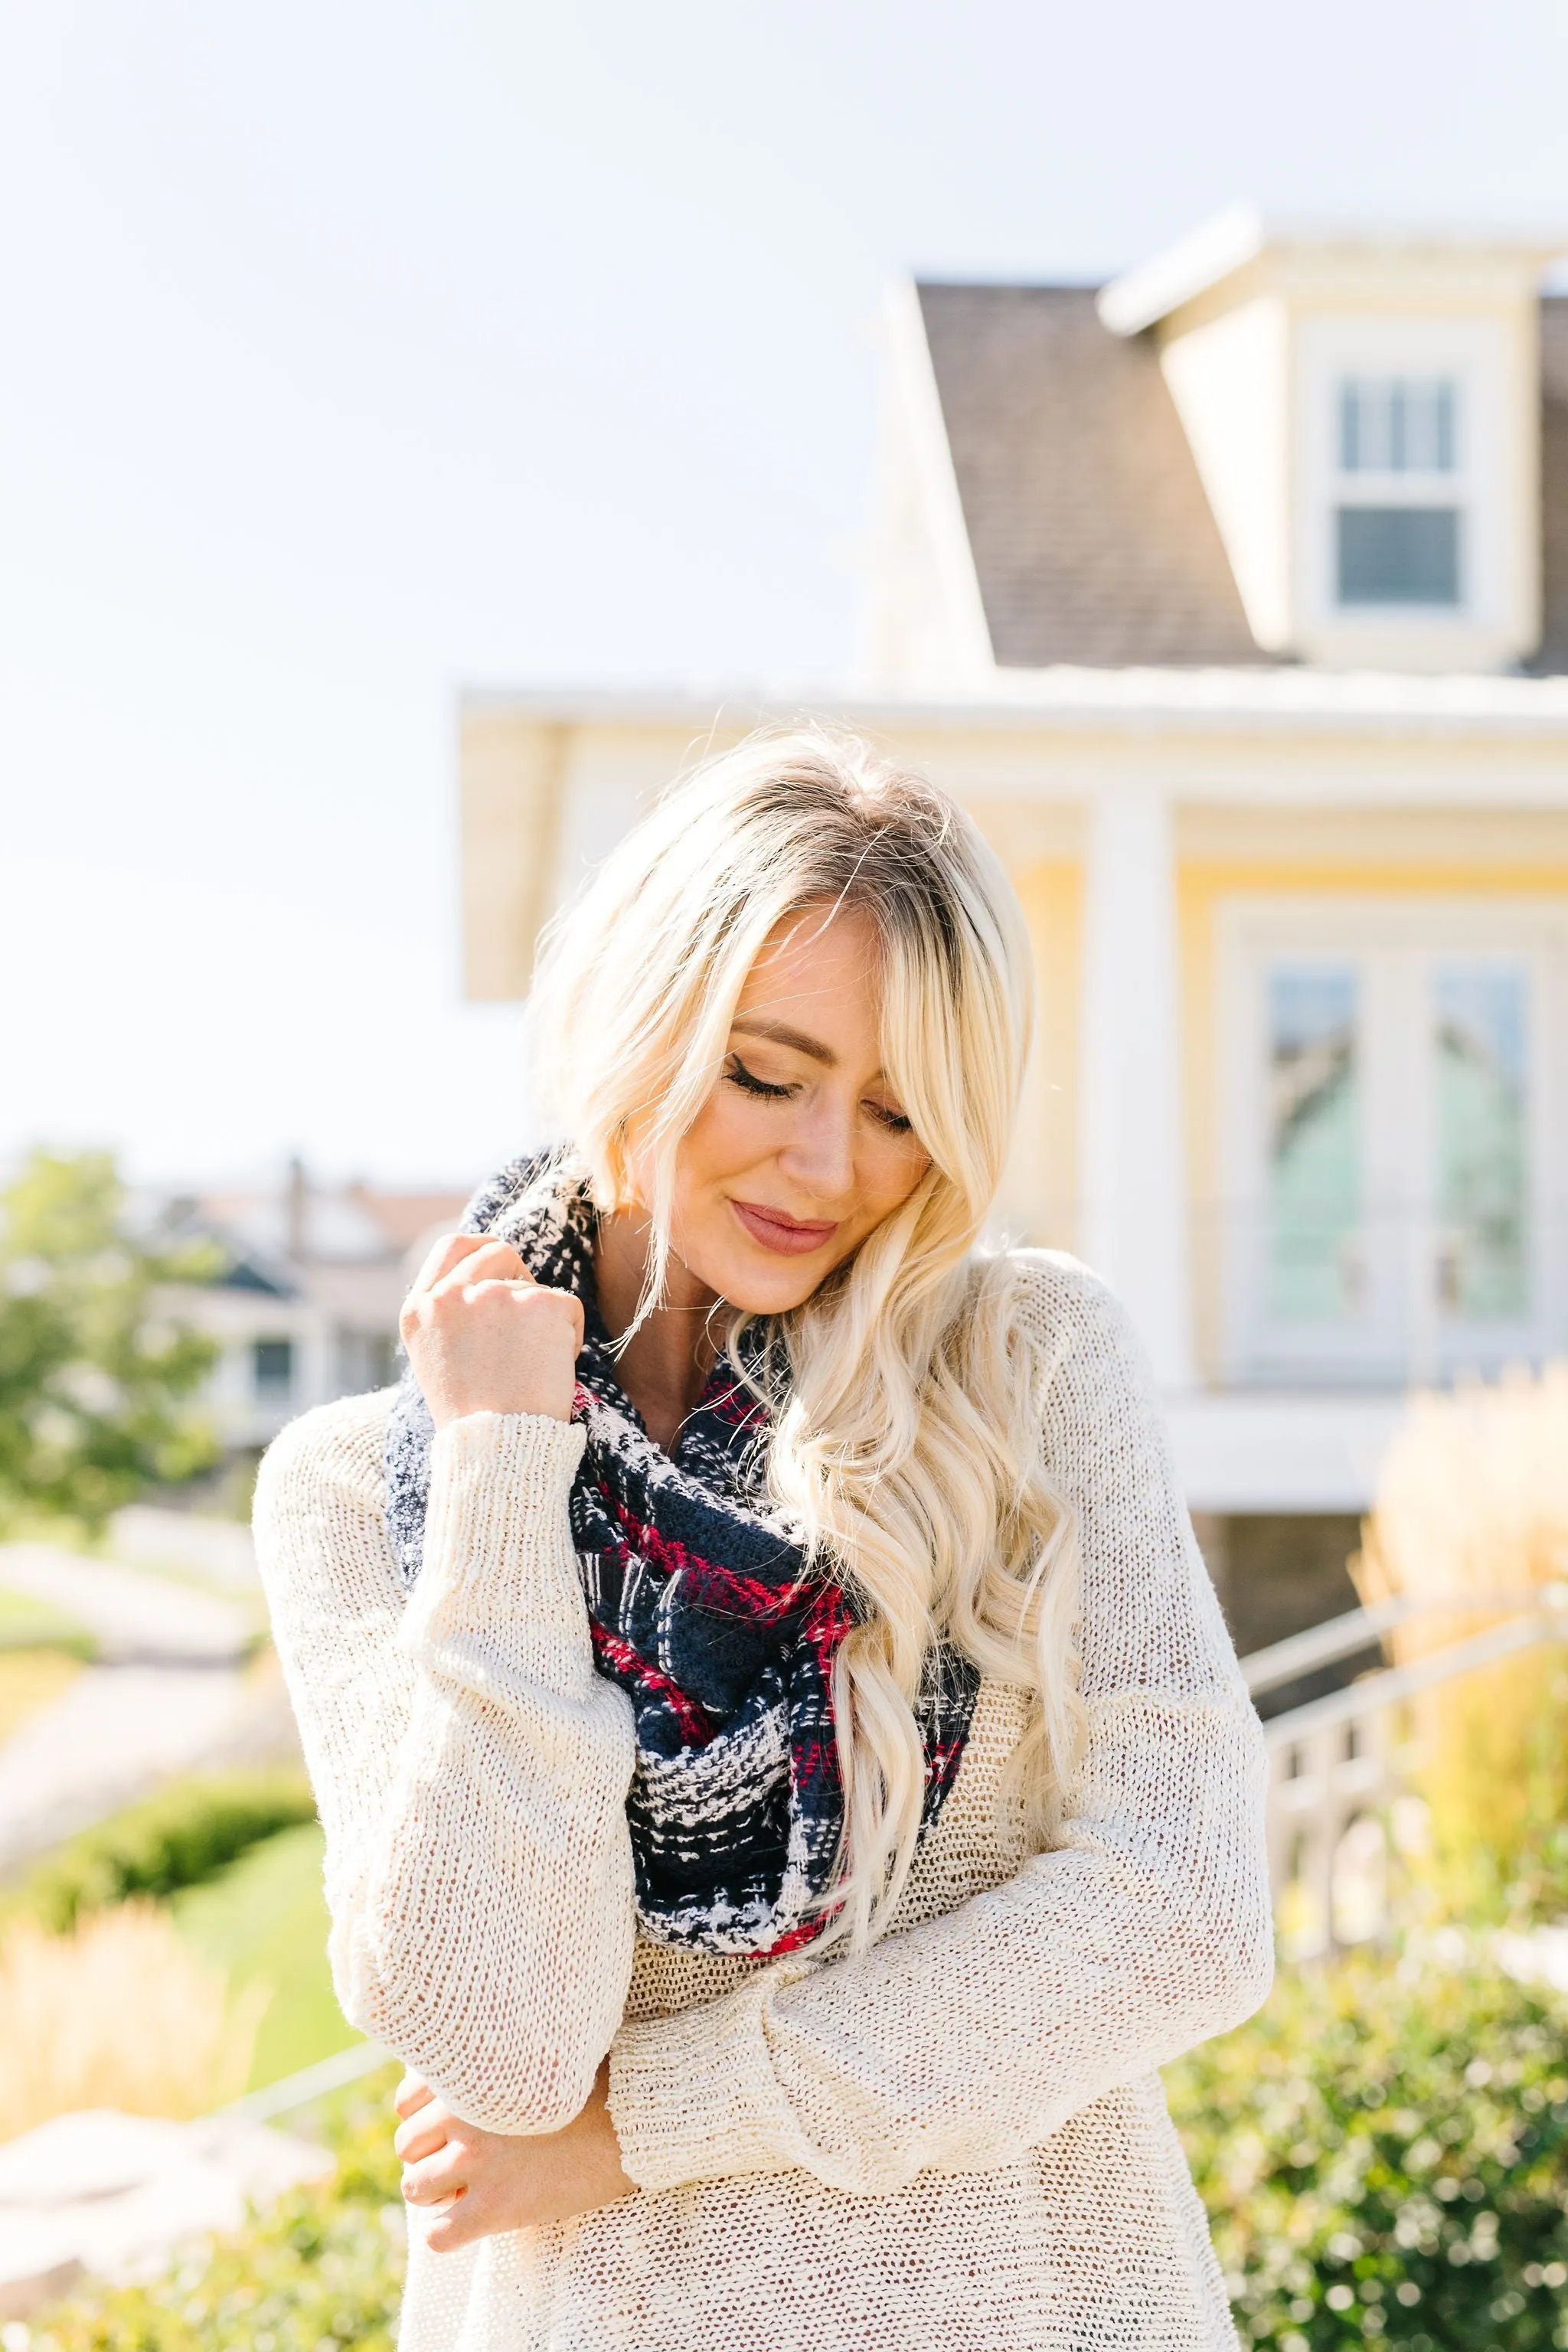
(893,1120)
(749,1082)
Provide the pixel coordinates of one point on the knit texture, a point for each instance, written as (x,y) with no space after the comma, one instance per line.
(952,2142)
(705,1613)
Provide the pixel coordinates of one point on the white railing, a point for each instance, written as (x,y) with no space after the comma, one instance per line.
(1335,1768)
(312,2083)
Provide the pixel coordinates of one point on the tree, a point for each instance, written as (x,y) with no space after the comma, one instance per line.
(93,1365)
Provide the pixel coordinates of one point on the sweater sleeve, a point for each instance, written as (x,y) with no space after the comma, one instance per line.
(960,2044)
(470,1766)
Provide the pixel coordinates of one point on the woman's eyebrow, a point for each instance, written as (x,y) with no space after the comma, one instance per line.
(778,1033)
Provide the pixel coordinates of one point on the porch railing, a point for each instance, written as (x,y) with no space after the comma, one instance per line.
(1336,1767)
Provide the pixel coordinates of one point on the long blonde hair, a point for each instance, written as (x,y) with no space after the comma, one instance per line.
(906,1448)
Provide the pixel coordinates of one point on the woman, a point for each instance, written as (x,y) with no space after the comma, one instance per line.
(787,1786)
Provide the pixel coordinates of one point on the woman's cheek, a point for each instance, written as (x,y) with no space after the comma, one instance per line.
(898,1167)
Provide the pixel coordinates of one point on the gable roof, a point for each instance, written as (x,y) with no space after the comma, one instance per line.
(1092,536)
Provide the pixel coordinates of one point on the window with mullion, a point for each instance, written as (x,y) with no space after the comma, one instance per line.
(1399,520)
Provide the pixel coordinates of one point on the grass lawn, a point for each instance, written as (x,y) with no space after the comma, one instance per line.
(263,1918)
(31,1680)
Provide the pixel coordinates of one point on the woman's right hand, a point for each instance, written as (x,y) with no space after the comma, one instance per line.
(484,1336)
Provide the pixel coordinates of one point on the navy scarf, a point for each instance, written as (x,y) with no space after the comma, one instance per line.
(707,1614)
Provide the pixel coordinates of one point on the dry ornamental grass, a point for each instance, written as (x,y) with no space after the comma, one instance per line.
(1472,1524)
(119,2014)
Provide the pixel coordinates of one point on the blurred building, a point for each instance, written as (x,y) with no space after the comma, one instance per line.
(1233,599)
(305,1298)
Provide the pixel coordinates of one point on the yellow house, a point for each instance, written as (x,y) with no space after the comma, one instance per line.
(1233,599)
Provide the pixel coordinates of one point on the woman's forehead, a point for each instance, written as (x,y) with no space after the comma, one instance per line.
(820,964)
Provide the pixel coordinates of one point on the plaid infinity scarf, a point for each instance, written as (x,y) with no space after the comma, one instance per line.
(706,1614)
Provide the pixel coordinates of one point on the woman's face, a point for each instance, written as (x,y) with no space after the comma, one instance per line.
(803,1148)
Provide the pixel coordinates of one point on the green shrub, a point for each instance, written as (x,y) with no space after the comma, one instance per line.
(262,1919)
(177,1838)
(320,2271)
(1383,2155)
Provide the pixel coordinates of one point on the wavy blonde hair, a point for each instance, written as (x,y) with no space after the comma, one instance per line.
(906,1449)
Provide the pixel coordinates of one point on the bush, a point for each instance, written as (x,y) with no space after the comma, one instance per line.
(321,2270)
(1384,2154)
(174,1838)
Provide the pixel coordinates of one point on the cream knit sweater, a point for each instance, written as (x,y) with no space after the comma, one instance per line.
(954,2142)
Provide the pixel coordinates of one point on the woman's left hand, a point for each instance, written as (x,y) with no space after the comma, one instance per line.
(484,2181)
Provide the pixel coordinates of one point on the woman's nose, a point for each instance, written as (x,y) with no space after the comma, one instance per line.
(820,1154)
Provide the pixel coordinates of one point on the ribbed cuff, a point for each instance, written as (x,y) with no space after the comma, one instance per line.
(693,2097)
(496,1529)
(532,1451)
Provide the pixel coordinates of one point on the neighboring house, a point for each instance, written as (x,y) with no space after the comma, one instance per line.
(305,1304)
(1233,600)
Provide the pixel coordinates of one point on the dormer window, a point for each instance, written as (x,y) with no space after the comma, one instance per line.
(1398,518)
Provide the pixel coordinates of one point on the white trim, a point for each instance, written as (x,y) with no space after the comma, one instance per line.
(1270,1451)
(915,377)
(1152,289)
(1286,701)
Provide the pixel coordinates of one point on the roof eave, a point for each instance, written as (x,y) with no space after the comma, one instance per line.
(1064,699)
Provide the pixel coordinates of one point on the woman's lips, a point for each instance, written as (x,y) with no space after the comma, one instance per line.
(785,1235)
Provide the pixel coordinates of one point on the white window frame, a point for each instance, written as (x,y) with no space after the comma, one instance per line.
(1395,944)
(1470,354)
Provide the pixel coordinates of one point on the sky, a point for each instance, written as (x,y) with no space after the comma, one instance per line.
(352,354)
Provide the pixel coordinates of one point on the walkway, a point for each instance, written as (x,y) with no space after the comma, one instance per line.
(170,1692)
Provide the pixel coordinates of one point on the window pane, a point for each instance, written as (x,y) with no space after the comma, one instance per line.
(1482,1119)
(1398,425)
(1398,555)
(1364,425)
(1314,1143)
(1397,459)
(272,1364)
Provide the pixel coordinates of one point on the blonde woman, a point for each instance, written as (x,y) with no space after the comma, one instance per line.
(787,1786)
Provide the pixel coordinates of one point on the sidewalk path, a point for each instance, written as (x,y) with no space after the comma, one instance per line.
(169,1693)
(135,1615)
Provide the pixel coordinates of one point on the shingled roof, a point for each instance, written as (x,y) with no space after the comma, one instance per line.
(1093,535)
(1552,659)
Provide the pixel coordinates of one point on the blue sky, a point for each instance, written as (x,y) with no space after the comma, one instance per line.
(353,352)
